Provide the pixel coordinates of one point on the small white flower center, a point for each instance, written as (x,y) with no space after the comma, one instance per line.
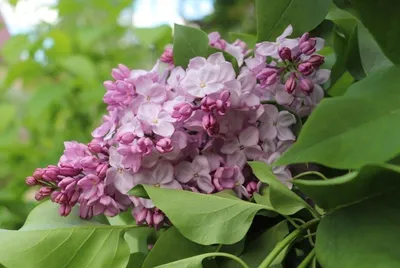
(148,98)
(195,175)
(155,121)
(157,185)
(202,85)
(120,170)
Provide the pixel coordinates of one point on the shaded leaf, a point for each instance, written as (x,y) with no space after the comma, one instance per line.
(172,246)
(273,16)
(353,187)
(8,113)
(80,66)
(381,19)
(361,235)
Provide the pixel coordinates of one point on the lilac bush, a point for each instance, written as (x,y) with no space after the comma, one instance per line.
(192,129)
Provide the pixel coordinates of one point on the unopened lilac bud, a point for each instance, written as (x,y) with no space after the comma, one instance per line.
(210,124)
(51,173)
(291,83)
(89,162)
(39,196)
(217,184)
(109,85)
(144,145)
(306,86)
(182,111)
(222,104)
(126,138)
(64,210)
(141,216)
(150,246)
(158,219)
(306,68)
(66,181)
(38,173)
(285,53)
(251,187)
(304,38)
(54,195)
(167,56)
(124,70)
(316,60)
(60,198)
(95,147)
(101,170)
(31,181)
(308,47)
(74,198)
(149,218)
(45,191)
(121,72)
(68,171)
(207,104)
(164,145)
(267,77)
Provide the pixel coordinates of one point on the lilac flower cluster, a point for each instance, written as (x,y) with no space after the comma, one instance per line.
(191,129)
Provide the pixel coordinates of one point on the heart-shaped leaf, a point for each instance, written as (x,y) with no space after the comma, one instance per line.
(273,16)
(49,240)
(205,219)
(189,42)
(364,234)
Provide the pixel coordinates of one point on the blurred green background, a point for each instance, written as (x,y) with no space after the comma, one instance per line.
(51,75)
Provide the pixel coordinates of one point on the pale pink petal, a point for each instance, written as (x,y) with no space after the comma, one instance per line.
(174,184)
(157,94)
(236,52)
(212,88)
(290,43)
(238,158)
(282,97)
(214,160)
(124,181)
(285,134)
(270,114)
(286,119)
(230,146)
(320,43)
(163,172)
(266,49)
(227,73)
(216,58)
(249,137)
(197,62)
(143,85)
(200,165)
(205,184)
(321,76)
(164,129)
(287,32)
(177,74)
(209,74)
(148,111)
(184,172)
(115,158)
(268,131)
(252,152)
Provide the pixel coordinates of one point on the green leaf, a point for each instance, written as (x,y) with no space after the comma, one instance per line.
(361,235)
(62,45)
(249,39)
(273,16)
(159,36)
(341,85)
(48,240)
(12,49)
(136,260)
(45,96)
(350,188)
(172,246)
(81,66)
(8,113)
(205,219)
(351,142)
(381,18)
(364,55)
(257,249)
(138,191)
(189,42)
(281,198)
(384,81)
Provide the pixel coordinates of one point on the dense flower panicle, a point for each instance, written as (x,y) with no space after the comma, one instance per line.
(190,129)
